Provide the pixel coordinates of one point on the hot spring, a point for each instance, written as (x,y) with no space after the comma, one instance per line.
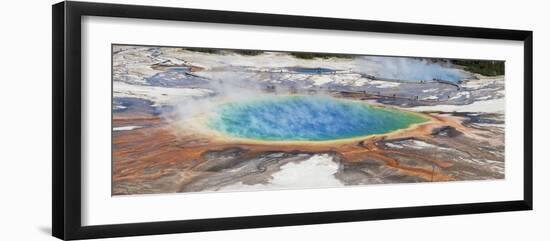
(307,118)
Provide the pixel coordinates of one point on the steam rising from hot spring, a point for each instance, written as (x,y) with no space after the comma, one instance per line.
(408,69)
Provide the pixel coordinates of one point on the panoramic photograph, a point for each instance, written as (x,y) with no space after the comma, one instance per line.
(187,120)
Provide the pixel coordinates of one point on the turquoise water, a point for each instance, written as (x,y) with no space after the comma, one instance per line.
(306,118)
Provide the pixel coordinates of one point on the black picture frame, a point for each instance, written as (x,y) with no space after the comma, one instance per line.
(66,167)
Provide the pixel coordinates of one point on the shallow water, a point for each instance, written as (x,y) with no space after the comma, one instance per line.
(307,118)
(311,70)
(137,105)
(175,77)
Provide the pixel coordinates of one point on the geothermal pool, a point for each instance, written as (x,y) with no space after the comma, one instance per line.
(307,118)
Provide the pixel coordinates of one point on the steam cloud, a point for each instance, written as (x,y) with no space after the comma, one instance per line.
(407,69)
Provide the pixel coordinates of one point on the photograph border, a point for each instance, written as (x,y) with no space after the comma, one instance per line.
(67,127)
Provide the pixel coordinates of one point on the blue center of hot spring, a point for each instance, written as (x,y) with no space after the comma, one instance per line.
(307,118)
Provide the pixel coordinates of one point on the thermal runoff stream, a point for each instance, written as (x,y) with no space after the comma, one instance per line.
(307,118)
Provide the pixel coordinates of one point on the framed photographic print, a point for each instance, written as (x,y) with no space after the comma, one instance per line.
(170,120)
